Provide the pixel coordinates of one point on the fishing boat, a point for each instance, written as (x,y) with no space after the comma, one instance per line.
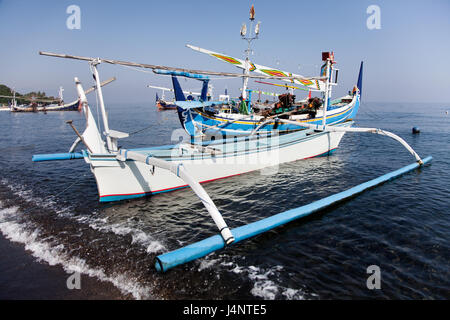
(122,173)
(34,106)
(225,157)
(164,104)
(243,116)
(61,106)
(217,118)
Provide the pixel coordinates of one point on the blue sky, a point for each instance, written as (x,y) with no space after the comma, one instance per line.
(405,60)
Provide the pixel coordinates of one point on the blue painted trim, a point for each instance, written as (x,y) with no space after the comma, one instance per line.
(200,249)
(360,78)
(228,128)
(181,74)
(57,156)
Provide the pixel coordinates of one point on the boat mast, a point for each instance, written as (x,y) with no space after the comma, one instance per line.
(94,64)
(249,40)
(327,86)
(60,93)
(13,102)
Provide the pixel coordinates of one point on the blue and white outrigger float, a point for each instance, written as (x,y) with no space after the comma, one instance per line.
(130,173)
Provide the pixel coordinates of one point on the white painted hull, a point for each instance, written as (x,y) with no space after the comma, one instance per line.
(118,180)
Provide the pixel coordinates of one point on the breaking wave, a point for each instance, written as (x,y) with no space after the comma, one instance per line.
(48,250)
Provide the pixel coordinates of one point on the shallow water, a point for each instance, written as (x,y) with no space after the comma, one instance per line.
(51,211)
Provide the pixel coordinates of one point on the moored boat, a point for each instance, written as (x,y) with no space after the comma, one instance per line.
(245,115)
(34,106)
(122,173)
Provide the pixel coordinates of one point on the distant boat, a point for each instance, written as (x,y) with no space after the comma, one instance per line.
(164,104)
(34,106)
(38,104)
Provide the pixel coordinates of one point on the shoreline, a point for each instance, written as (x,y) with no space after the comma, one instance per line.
(23,277)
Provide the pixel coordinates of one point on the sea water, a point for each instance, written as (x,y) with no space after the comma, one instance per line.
(52,225)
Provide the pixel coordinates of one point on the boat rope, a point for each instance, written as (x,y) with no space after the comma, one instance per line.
(370,114)
(151,72)
(140,130)
(53,196)
(77,179)
(136,69)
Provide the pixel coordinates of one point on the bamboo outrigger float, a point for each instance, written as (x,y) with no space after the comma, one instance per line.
(129,173)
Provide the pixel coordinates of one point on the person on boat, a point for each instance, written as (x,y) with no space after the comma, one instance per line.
(313,105)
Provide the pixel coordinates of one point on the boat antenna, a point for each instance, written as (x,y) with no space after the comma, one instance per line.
(249,38)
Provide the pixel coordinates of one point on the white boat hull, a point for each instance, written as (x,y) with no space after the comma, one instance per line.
(118,180)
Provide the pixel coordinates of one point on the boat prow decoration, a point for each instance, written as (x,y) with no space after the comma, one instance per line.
(360,78)
(311,84)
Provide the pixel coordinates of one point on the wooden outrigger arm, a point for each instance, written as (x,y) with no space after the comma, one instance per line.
(158,67)
(349,129)
(318,127)
(180,171)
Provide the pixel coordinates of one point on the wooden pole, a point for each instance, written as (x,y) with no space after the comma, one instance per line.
(70,123)
(156,67)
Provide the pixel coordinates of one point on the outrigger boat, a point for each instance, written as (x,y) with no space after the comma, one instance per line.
(60,106)
(34,107)
(204,118)
(164,104)
(244,116)
(247,116)
(123,173)
(38,104)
